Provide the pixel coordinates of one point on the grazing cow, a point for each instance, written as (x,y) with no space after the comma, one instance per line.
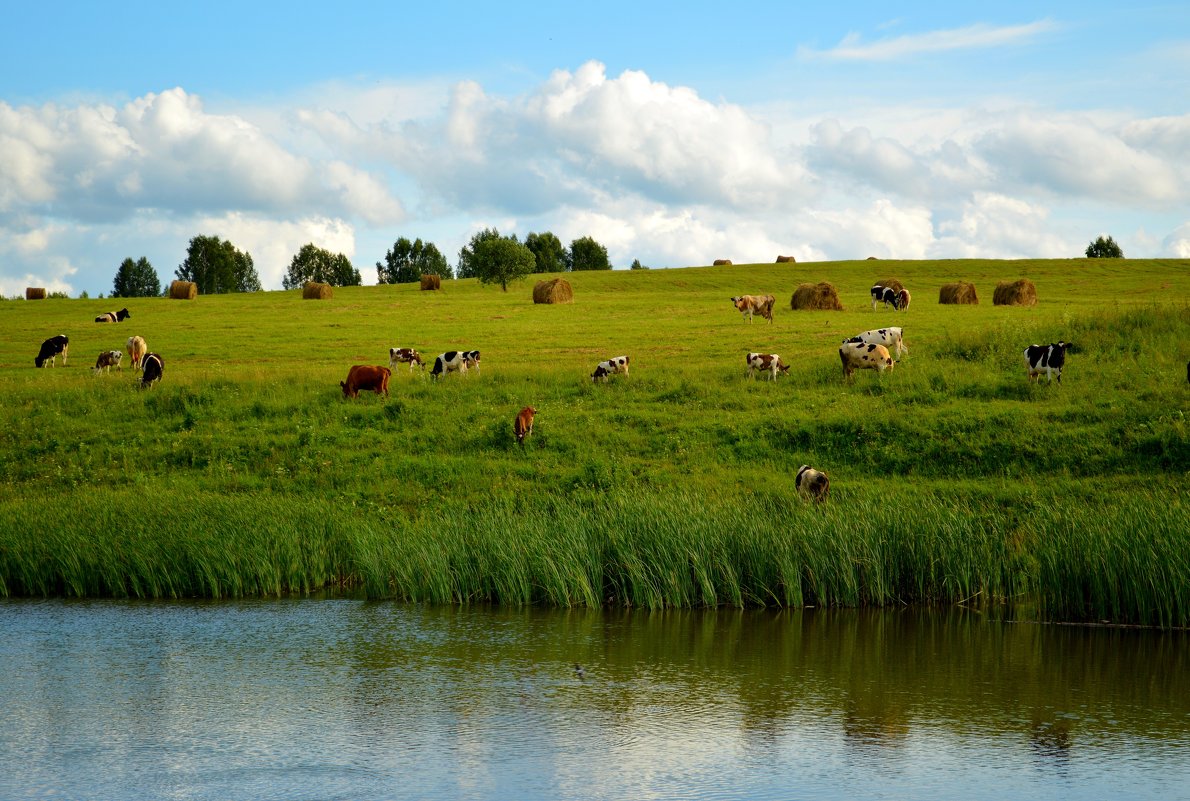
(471,357)
(50,350)
(886,295)
(107,360)
(616,364)
(811,483)
(362,377)
(864,356)
(1046,358)
(903,299)
(755,304)
(888,337)
(453,361)
(153,366)
(137,349)
(113,317)
(404,356)
(766,363)
(523,425)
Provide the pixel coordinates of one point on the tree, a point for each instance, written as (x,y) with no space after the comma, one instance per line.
(218,267)
(548,252)
(1104,249)
(466,267)
(636,265)
(136,279)
(312,263)
(406,262)
(587,254)
(503,259)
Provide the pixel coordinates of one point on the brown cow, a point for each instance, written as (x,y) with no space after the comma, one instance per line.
(755,304)
(523,425)
(363,376)
(107,360)
(864,356)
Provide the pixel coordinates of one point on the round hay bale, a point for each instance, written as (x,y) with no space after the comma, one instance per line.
(1015,293)
(960,292)
(312,290)
(892,283)
(430,281)
(816,297)
(871,258)
(34,293)
(183,290)
(556,291)
(722,263)
(786,260)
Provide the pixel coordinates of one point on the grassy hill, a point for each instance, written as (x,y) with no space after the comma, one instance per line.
(953,477)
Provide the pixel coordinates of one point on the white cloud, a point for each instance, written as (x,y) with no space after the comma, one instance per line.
(1177,244)
(996,226)
(980,36)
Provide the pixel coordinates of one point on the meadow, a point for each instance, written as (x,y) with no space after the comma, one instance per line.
(953,478)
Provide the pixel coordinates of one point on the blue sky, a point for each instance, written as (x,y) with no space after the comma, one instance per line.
(675,133)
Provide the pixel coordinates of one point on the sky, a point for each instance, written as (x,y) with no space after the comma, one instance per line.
(672,133)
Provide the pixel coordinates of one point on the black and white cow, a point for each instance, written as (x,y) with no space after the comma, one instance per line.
(888,337)
(1048,359)
(50,350)
(471,357)
(886,295)
(812,484)
(113,317)
(154,367)
(609,367)
(453,361)
(107,360)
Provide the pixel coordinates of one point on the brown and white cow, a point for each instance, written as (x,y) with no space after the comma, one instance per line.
(749,305)
(113,317)
(154,368)
(864,356)
(366,377)
(903,298)
(812,484)
(766,363)
(522,427)
(137,349)
(404,356)
(891,338)
(610,367)
(107,360)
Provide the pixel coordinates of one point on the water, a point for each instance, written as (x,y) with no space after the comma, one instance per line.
(343,699)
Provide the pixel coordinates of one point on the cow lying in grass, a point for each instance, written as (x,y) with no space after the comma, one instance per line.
(113,317)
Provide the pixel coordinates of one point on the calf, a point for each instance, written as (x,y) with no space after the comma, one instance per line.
(605,369)
(903,299)
(888,337)
(886,295)
(113,317)
(864,356)
(755,304)
(107,360)
(523,425)
(154,368)
(50,350)
(365,377)
(471,357)
(404,356)
(766,363)
(453,361)
(812,484)
(137,349)
(1046,358)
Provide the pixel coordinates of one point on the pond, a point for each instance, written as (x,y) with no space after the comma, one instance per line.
(347,699)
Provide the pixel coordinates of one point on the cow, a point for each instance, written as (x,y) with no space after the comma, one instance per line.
(864,356)
(886,295)
(812,484)
(471,357)
(50,350)
(107,360)
(766,363)
(1048,359)
(522,427)
(137,349)
(404,356)
(362,377)
(113,317)
(755,304)
(453,361)
(903,299)
(888,337)
(153,366)
(609,367)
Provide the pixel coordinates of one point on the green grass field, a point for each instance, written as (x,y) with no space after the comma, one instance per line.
(952,478)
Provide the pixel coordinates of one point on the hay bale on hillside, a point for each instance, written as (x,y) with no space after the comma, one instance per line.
(430,282)
(960,292)
(722,263)
(892,283)
(816,297)
(313,290)
(183,290)
(1015,293)
(34,293)
(786,260)
(556,291)
(871,258)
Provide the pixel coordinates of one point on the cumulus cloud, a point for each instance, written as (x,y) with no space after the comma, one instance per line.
(1177,244)
(995,226)
(980,36)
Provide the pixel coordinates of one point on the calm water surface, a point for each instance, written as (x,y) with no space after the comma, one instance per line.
(343,699)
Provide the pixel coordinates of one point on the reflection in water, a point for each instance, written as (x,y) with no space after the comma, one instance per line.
(348,699)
